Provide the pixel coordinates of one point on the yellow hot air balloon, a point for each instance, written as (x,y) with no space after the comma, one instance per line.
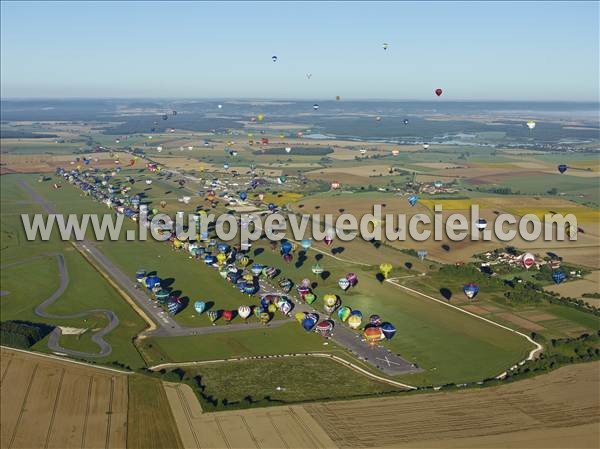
(385,269)
(248,277)
(354,321)
(300,316)
(177,243)
(329,300)
(272,308)
(244,261)
(221,258)
(260,117)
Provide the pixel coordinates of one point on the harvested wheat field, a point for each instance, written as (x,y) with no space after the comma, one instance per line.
(273,427)
(50,403)
(560,409)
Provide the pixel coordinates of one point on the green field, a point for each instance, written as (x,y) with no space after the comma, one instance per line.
(278,382)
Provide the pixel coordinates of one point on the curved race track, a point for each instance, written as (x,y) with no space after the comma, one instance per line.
(54,338)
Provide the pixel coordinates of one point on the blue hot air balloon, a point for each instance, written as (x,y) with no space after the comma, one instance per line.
(152,281)
(306,243)
(272,207)
(481,224)
(389,330)
(471,290)
(558,276)
(308,323)
(209,259)
(223,247)
(286,247)
(256,269)
(243,196)
(422,253)
(199,306)
(412,200)
(562,168)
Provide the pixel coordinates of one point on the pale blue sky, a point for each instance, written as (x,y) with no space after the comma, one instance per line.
(473,50)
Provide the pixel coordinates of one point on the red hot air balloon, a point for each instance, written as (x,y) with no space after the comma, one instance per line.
(438,92)
(228,315)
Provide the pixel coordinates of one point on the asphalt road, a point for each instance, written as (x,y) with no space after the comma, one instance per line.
(377,356)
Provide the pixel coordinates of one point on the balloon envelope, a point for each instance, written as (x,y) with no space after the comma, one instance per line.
(344,312)
(244,312)
(438,92)
(562,168)
(389,330)
(471,290)
(199,306)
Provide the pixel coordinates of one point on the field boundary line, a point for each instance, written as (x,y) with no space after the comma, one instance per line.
(66,360)
(151,324)
(23,404)
(270,357)
(532,354)
(56,401)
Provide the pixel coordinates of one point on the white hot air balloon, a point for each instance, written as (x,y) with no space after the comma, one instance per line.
(288,149)
(530,124)
(244,312)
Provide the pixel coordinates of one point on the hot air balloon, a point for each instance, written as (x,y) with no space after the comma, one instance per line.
(310,298)
(317,269)
(530,124)
(286,247)
(335,185)
(286,307)
(282,179)
(374,320)
(438,92)
(260,117)
(152,282)
(330,300)
(228,315)
(422,253)
(315,106)
(558,276)
(285,284)
(389,330)
(288,149)
(373,335)
(264,317)
(385,269)
(287,258)
(412,200)
(300,316)
(528,260)
(172,306)
(309,75)
(354,321)
(344,283)
(274,58)
(308,323)
(425,146)
(385,45)
(352,278)
(337,97)
(256,269)
(306,243)
(199,306)
(271,207)
(378,118)
(562,168)
(213,315)
(329,236)
(305,283)
(140,275)
(481,224)
(471,290)
(343,313)
(405,121)
(325,328)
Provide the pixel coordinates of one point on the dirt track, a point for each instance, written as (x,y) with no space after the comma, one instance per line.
(54,404)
